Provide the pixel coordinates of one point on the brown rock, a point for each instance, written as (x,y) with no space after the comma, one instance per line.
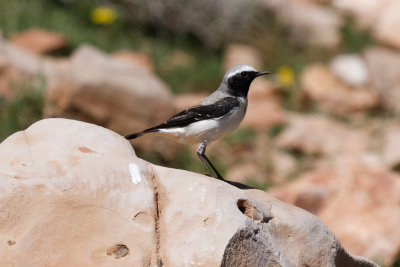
(264,108)
(391,147)
(179,59)
(358,199)
(91,86)
(20,69)
(384,66)
(333,94)
(242,54)
(316,134)
(387,28)
(39,41)
(94,203)
(138,59)
(273,168)
(100,89)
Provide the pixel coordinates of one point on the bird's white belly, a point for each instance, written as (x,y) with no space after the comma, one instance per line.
(210,129)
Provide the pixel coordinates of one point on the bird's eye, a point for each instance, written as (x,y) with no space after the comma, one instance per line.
(245,75)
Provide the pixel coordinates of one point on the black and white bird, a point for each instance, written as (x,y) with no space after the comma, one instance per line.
(214,117)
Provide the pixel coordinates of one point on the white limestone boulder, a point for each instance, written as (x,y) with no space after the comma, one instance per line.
(75,194)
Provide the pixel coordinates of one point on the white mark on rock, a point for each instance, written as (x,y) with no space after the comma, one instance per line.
(135,173)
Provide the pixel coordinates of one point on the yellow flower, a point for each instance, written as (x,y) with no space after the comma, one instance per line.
(285,76)
(103,15)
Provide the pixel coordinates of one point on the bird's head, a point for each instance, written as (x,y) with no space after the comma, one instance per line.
(238,78)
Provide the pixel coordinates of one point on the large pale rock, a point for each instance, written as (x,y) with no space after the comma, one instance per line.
(75,194)
(315,134)
(384,66)
(358,198)
(39,41)
(333,94)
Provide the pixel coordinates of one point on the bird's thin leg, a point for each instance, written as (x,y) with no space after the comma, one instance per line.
(205,164)
(200,153)
(201,150)
(219,176)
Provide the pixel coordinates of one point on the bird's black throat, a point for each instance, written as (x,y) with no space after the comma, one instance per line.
(239,87)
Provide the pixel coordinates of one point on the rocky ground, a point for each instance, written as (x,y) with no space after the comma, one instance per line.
(326,141)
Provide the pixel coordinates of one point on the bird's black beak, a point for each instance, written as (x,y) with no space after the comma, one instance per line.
(260,73)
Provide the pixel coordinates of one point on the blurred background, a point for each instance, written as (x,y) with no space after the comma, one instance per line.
(322,132)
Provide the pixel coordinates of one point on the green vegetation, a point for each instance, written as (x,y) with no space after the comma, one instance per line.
(262,186)
(354,39)
(20,111)
(73,21)
(241,136)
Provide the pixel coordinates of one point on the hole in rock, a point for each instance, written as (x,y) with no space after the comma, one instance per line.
(118,251)
(246,207)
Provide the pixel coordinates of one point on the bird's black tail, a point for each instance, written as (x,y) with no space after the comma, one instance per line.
(139,134)
(133,136)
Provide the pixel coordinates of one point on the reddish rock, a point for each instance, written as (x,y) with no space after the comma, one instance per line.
(387,28)
(358,198)
(138,59)
(100,205)
(97,88)
(333,94)
(242,54)
(21,70)
(272,167)
(384,66)
(39,41)
(314,134)
(391,146)
(264,108)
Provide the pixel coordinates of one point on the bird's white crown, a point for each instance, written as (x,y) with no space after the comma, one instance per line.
(237,69)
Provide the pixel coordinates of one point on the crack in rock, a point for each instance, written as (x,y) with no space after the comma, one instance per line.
(157,218)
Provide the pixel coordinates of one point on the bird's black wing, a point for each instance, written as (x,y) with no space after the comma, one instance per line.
(201,112)
(193,114)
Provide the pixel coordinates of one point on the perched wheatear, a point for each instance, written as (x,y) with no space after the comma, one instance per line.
(215,116)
